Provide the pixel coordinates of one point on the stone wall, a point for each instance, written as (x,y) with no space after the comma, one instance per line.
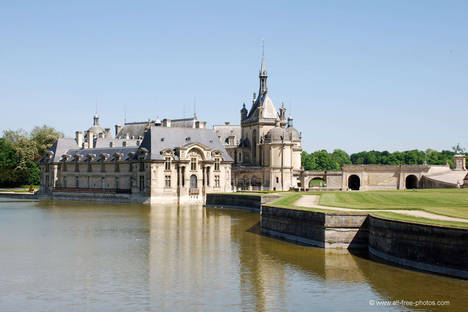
(431,248)
(330,230)
(431,183)
(246,202)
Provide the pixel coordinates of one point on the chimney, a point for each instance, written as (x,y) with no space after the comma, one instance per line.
(227,123)
(166,123)
(90,139)
(117,130)
(79,138)
(107,133)
(459,162)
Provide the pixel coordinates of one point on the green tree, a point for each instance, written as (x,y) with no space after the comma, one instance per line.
(341,157)
(44,137)
(8,162)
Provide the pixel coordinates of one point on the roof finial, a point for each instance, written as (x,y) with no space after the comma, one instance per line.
(195,107)
(263,68)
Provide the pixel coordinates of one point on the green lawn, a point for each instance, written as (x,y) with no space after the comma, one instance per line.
(448,202)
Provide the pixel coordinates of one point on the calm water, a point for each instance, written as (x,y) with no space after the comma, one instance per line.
(77,256)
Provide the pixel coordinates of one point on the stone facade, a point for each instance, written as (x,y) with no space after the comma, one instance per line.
(169,165)
(387,177)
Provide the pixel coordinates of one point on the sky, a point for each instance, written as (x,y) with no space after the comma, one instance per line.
(354,75)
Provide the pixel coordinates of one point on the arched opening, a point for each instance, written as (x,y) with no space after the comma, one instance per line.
(317,182)
(411,182)
(193,181)
(354,183)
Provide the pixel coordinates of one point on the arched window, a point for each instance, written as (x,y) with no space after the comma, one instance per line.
(193,181)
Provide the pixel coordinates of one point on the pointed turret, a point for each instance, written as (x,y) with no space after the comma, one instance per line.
(262,106)
(263,77)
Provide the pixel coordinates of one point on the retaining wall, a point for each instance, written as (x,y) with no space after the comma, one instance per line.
(245,202)
(431,248)
(329,230)
(19,195)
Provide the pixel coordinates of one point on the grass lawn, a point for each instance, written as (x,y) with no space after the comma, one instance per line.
(447,202)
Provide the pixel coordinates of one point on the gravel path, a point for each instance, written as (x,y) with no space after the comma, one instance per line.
(311,201)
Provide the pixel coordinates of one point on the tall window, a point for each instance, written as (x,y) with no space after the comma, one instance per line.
(216,180)
(142,165)
(216,164)
(77,166)
(117,183)
(193,181)
(142,183)
(47,167)
(168,181)
(103,165)
(77,182)
(130,167)
(167,164)
(64,182)
(183,176)
(117,165)
(103,183)
(193,164)
(64,167)
(90,167)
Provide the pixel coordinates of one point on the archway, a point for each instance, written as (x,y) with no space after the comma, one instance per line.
(411,182)
(317,182)
(354,182)
(193,181)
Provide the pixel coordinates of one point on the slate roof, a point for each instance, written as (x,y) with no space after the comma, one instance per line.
(155,141)
(60,147)
(133,130)
(162,138)
(225,131)
(105,142)
(98,151)
(269,110)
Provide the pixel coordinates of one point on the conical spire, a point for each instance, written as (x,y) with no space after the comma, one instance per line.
(263,76)
(263,71)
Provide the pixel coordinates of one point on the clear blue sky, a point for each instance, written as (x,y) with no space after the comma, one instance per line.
(357,75)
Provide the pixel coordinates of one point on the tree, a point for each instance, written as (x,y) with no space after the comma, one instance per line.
(44,137)
(8,162)
(341,157)
(13,136)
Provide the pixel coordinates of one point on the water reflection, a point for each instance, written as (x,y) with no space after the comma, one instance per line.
(79,256)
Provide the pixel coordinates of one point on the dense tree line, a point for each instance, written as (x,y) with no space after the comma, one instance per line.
(323,160)
(19,153)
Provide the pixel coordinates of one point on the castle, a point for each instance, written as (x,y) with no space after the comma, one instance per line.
(180,160)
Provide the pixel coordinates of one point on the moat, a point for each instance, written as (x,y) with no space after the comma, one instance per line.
(84,256)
